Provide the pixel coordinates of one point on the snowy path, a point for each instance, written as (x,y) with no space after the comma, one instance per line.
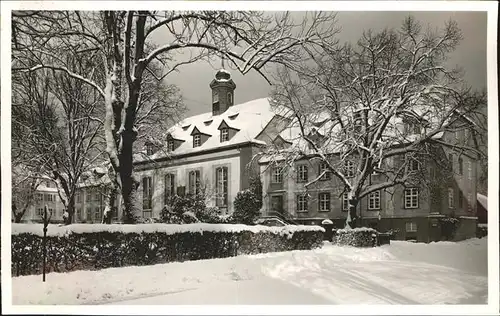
(402,273)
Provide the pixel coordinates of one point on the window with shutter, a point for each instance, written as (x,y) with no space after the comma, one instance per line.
(147,193)
(221,180)
(169,189)
(194,182)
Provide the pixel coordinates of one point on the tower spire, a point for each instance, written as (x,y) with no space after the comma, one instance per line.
(222,61)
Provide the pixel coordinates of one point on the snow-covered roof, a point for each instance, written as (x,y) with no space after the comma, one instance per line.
(97,175)
(483,200)
(326,125)
(248,118)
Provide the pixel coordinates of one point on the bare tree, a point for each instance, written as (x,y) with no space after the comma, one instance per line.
(24,185)
(122,40)
(382,106)
(60,132)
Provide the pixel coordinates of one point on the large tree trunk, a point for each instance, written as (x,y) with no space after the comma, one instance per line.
(71,210)
(18,216)
(352,217)
(110,202)
(130,185)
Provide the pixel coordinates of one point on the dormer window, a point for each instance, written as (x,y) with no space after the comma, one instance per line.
(224,135)
(170,145)
(196,140)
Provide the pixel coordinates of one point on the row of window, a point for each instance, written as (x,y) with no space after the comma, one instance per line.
(47,197)
(324,202)
(411,201)
(39,212)
(303,172)
(194,187)
(223,136)
(349,171)
(93,214)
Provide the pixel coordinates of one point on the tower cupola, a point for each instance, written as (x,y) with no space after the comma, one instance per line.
(222,91)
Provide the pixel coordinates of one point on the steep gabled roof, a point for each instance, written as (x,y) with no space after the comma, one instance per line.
(249,118)
(197,131)
(223,124)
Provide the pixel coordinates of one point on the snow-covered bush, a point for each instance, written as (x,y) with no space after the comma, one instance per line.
(177,207)
(481,231)
(357,237)
(90,247)
(248,203)
(190,209)
(246,209)
(449,226)
(213,215)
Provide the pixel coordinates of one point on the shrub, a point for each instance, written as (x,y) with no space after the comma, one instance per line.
(99,246)
(449,226)
(248,203)
(246,207)
(182,209)
(481,231)
(213,215)
(190,209)
(357,237)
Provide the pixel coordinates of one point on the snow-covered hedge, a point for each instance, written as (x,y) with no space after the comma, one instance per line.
(99,246)
(482,230)
(357,237)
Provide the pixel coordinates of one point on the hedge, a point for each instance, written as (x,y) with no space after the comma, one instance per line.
(98,246)
(357,237)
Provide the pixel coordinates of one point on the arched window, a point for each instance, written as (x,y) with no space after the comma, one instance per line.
(230,98)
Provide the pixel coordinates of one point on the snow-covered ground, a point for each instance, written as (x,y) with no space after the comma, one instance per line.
(402,273)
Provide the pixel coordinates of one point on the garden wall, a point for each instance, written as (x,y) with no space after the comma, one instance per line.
(99,246)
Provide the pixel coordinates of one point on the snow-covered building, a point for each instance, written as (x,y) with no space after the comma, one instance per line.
(215,153)
(211,152)
(291,189)
(46,194)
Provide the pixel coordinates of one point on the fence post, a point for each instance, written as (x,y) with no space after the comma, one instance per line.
(46,218)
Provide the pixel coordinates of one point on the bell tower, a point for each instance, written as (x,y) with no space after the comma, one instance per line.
(222,91)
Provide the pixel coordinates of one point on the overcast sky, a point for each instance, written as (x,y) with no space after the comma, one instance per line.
(193,80)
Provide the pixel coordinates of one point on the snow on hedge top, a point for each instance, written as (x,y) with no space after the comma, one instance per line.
(169,229)
(357,229)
